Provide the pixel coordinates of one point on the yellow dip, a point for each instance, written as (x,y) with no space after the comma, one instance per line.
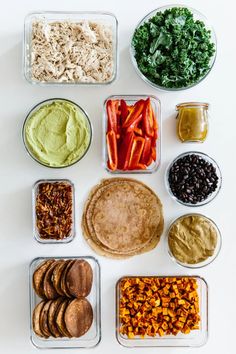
(192,121)
(57,134)
(192,239)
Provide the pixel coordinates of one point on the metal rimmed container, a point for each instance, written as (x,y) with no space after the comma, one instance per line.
(207,261)
(36,233)
(48,17)
(131,100)
(195,338)
(48,102)
(93,336)
(197,16)
(206,158)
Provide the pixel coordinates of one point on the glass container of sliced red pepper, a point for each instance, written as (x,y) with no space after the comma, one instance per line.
(132,134)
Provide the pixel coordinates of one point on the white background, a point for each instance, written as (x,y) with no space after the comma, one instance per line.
(19,172)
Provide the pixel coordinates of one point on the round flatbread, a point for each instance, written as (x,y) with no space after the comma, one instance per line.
(108,224)
(78,317)
(79,278)
(38,277)
(35,319)
(125,216)
(116,255)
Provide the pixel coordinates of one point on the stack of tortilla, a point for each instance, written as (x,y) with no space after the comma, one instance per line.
(122,218)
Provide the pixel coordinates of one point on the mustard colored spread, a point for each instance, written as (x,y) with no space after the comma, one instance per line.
(57,134)
(192,121)
(192,239)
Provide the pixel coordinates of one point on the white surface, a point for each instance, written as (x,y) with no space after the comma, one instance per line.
(19,172)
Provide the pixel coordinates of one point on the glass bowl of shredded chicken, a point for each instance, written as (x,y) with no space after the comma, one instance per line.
(70,48)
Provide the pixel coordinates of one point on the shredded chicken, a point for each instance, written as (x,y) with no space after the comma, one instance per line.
(72,52)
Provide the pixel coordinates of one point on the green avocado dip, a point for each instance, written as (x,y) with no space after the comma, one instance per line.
(57,134)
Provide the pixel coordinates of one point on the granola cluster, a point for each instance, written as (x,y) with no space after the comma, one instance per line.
(54,204)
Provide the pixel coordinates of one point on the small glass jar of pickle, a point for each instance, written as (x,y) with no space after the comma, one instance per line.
(192,121)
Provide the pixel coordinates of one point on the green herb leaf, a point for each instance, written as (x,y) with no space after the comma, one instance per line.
(172,49)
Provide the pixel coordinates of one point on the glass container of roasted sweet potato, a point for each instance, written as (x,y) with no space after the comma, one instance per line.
(132,134)
(161,311)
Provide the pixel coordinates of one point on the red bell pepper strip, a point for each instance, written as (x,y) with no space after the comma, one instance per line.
(155,127)
(133,126)
(138,131)
(150,160)
(112,114)
(154,153)
(148,118)
(134,114)
(112,150)
(124,111)
(136,152)
(125,150)
(140,166)
(146,150)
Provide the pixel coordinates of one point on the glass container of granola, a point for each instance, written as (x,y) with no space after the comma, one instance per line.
(53,211)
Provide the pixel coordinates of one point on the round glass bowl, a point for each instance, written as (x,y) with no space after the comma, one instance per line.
(210,196)
(83,126)
(206,261)
(197,16)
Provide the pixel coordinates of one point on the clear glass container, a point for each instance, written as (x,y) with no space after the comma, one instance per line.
(49,101)
(192,121)
(208,159)
(209,259)
(34,197)
(76,16)
(89,339)
(195,338)
(131,100)
(197,16)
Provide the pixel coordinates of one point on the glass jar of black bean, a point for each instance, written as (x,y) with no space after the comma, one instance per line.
(193,179)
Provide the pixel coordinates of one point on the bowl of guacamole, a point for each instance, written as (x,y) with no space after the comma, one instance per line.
(57,133)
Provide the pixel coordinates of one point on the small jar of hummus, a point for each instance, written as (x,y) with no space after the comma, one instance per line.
(57,133)
(193,240)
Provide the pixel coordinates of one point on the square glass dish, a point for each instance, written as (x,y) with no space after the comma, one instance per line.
(93,335)
(195,338)
(66,67)
(156,146)
(71,216)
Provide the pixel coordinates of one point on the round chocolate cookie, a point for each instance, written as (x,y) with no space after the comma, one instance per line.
(43,319)
(57,274)
(48,287)
(60,321)
(78,317)
(36,317)
(52,317)
(64,277)
(79,279)
(38,277)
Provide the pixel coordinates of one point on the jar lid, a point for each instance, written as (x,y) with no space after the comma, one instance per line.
(192,104)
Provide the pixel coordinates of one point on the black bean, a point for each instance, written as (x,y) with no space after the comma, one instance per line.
(192,179)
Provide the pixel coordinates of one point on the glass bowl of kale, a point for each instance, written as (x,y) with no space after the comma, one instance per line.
(173,48)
